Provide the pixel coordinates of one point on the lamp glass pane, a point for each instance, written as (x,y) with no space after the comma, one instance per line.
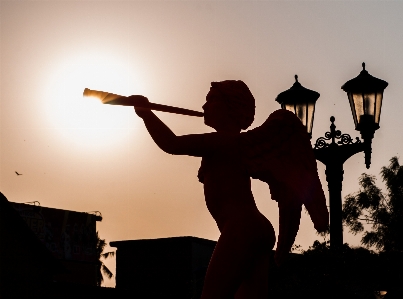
(289,107)
(369,103)
(352,106)
(358,105)
(300,111)
(378,105)
(310,113)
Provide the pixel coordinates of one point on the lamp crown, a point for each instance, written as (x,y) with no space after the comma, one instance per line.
(364,83)
(297,93)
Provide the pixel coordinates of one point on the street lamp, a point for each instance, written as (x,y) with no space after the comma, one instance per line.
(300,101)
(365,94)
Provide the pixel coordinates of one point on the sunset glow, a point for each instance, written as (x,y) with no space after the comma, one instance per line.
(84,120)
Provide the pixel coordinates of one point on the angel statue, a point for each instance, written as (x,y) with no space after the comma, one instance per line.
(278,152)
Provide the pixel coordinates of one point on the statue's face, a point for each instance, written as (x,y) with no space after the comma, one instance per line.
(216,114)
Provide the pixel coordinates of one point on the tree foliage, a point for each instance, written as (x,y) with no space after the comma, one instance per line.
(383,211)
(319,272)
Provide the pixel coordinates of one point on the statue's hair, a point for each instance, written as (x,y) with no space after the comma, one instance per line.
(239,99)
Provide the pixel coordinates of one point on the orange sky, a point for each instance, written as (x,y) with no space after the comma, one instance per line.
(77,155)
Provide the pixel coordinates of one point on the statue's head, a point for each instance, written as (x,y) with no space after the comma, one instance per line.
(238,100)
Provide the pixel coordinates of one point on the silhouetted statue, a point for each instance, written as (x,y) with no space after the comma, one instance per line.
(278,152)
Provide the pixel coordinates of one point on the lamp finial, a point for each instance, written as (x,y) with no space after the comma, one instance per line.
(296,78)
(363,66)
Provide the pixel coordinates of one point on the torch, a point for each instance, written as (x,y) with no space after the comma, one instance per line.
(114,99)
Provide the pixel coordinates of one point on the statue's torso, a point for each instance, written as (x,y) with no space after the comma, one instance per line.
(227,185)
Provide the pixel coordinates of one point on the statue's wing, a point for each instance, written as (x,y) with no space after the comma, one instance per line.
(279,153)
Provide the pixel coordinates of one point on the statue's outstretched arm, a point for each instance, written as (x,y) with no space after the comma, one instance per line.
(193,145)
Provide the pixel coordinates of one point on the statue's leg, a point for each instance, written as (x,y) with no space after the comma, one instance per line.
(240,261)
(256,284)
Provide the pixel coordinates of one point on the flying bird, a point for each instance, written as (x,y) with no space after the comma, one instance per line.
(18,173)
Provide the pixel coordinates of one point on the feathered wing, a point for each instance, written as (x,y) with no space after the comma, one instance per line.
(279,153)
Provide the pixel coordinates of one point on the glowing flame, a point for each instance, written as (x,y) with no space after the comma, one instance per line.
(105,97)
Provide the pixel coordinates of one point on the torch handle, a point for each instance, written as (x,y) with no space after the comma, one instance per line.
(177,110)
(114,99)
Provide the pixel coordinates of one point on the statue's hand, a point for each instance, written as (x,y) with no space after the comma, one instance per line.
(141,105)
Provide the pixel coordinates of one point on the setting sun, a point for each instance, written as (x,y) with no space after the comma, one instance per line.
(84,121)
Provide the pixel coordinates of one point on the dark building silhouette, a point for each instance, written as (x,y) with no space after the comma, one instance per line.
(70,236)
(162,268)
(26,266)
(28,269)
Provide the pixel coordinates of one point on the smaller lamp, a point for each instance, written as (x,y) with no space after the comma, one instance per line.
(300,101)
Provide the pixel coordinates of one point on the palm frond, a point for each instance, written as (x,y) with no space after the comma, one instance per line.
(108,254)
(106,271)
(101,244)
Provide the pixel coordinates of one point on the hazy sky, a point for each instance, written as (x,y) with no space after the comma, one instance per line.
(76,154)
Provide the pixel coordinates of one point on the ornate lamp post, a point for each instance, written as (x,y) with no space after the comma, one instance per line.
(365,94)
